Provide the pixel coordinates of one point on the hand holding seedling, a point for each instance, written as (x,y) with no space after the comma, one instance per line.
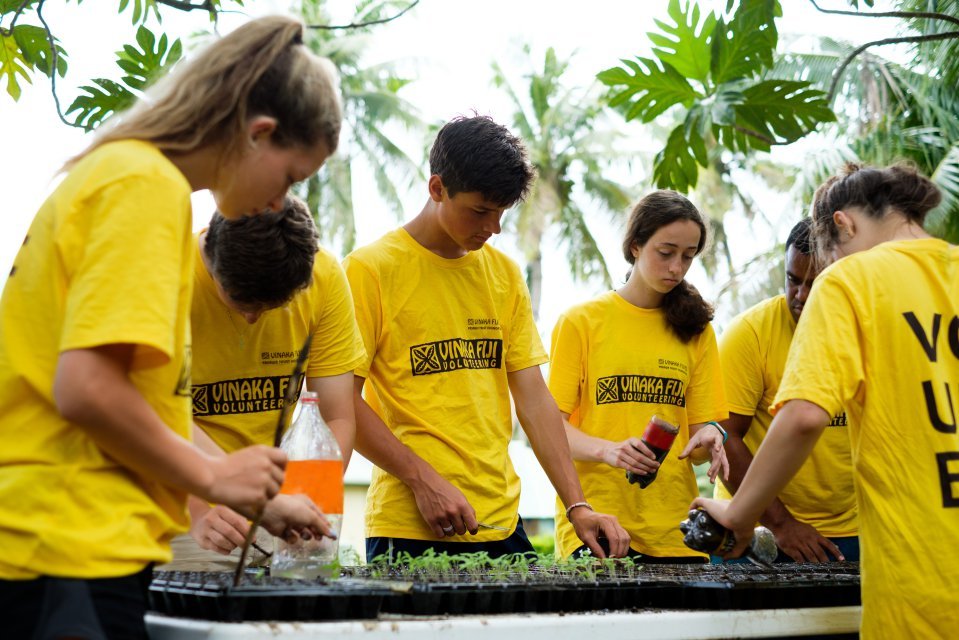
(632,455)
(707,444)
(442,505)
(245,480)
(590,526)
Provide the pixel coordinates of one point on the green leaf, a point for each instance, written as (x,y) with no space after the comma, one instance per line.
(151,60)
(943,221)
(745,45)
(684,45)
(103,99)
(141,9)
(35,48)
(12,64)
(649,89)
(780,111)
(9,6)
(674,167)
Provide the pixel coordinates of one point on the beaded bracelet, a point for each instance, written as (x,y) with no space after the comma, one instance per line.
(721,430)
(577,504)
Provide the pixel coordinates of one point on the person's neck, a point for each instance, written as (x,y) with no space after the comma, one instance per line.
(902,229)
(639,294)
(426,231)
(198,167)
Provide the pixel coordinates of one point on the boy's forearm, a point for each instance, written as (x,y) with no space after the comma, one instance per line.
(584,447)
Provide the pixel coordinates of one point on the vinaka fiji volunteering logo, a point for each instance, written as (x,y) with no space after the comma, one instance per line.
(645,389)
(839,420)
(243,395)
(455,354)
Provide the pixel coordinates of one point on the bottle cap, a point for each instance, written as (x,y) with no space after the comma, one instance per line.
(308,396)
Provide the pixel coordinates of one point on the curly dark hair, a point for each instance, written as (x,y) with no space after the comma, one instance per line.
(263,260)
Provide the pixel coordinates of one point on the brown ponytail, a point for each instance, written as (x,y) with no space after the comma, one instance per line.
(686,312)
(896,190)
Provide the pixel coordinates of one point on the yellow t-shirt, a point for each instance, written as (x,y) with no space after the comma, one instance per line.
(612,366)
(240,371)
(880,337)
(440,337)
(753,353)
(106,261)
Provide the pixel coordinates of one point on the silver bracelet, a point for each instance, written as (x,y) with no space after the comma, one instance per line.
(577,504)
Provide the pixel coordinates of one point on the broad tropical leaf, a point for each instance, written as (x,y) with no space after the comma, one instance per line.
(674,166)
(684,43)
(102,99)
(13,64)
(654,88)
(151,59)
(744,46)
(778,112)
(35,48)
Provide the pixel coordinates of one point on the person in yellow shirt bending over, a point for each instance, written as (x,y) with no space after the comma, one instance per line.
(814,518)
(644,349)
(262,284)
(879,337)
(96,462)
(449,335)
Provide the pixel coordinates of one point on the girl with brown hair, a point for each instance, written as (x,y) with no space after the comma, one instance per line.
(644,349)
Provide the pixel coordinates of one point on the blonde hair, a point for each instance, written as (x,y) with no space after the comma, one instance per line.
(261,69)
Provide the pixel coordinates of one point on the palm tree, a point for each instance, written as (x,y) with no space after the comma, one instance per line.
(371,106)
(888,112)
(571,151)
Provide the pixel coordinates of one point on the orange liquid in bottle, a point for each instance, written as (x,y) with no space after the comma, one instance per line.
(321,480)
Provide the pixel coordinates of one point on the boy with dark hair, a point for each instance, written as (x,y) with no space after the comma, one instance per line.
(815,516)
(449,335)
(262,284)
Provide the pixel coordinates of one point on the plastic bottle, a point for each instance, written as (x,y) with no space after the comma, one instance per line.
(703,533)
(658,436)
(315,468)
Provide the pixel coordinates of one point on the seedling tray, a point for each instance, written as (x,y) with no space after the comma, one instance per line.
(359,596)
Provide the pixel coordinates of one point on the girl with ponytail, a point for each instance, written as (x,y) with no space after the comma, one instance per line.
(879,335)
(95,402)
(645,349)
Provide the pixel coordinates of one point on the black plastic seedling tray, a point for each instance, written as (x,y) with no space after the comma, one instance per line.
(211,596)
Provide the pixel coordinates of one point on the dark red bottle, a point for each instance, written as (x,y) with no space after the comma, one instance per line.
(658,436)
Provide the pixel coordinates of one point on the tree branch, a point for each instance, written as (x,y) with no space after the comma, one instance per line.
(891,14)
(183,5)
(946,35)
(54,58)
(755,134)
(357,25)
(16,16)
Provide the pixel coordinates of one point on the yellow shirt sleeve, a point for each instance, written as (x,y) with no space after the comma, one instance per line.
(825,364)
(337,345)
(566,365)
(525,349)
(120,260)
(741,358)
(365,290)
(705,396)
